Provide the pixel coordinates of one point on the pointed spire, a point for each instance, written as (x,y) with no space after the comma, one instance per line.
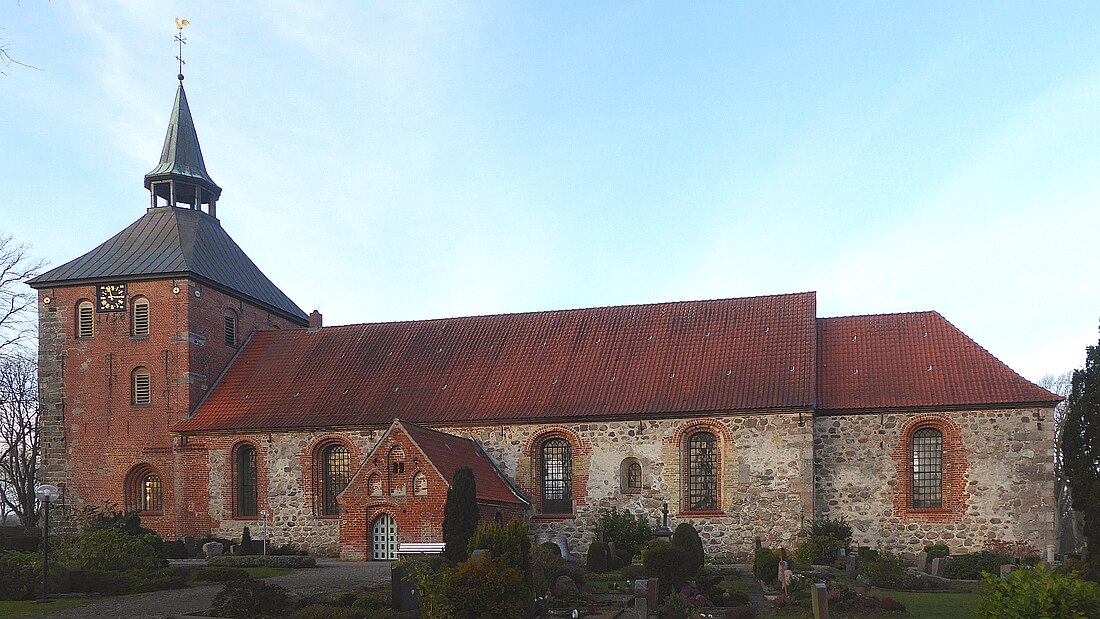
(181,177)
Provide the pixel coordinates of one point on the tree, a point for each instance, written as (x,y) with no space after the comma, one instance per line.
(460,514)
(1067,523)
(16,298)
(19,433)
(1081,448)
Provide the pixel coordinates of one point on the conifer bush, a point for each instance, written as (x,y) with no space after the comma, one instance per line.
(460,515)
(765,564)
(597,557)
(686,538)
(482,588)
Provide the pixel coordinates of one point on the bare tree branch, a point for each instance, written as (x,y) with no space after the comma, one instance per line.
(20,446)
(17,300)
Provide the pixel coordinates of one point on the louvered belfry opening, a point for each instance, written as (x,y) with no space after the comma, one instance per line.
(557,474)
(141,317)
(928,468)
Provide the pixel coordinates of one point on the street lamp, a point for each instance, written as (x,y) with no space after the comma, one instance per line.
(46,493)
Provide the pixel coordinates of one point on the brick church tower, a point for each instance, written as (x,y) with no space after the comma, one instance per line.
(134,332)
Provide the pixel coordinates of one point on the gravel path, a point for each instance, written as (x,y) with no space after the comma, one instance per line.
(328,576)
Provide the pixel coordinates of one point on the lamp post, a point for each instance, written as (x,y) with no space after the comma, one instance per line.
(263,512)
(46,493)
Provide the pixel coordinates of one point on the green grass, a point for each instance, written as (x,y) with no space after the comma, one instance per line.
(268,572)
(24,608)
(927,605)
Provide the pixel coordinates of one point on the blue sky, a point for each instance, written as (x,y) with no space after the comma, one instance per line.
(392,161)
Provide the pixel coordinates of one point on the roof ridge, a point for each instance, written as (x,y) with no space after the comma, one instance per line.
(565,310)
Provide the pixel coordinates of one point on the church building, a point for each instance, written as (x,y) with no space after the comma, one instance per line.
(177,380)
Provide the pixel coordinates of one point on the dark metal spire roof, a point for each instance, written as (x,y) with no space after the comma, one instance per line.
(169,242)
(181,157)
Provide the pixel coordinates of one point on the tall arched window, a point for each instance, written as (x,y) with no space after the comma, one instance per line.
(245,480)
(396,470)
(140,387)
(556,459)
(928,468)
(152,494)
(702,472)
(335,474)
(85,319)
(139,320)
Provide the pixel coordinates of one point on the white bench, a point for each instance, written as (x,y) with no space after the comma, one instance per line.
(418,548)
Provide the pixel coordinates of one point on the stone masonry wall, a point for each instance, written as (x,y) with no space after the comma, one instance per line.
(765,478)
(1001,469)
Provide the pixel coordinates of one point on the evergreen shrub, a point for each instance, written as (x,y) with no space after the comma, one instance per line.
(886,570)
(970,566)
(252,598)
(686,538)
(294,561)
(1038,592)
(668,563)
(20,574)
(937,551)
(484,587)
(597,557)
(460,515)
(765,564)
(628,531)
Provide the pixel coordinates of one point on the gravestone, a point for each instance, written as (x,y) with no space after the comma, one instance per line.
(937,566)
(480,552)
(560,541)
(819,600)
(852,565)
(564,587)
(652,596)
(922,562)
(611,549)
(402,591)
(1050,555)
(212,549)
(1007,569)
(641,608)
(189,546)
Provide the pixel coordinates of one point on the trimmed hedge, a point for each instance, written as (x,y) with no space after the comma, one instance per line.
(971,566)
(294,561)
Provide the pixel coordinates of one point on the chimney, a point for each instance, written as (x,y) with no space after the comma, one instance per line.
(315,321)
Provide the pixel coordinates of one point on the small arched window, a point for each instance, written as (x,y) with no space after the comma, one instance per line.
(85,319)
(702,472)
(928,468)
(144,490)
(630,472)
(230,323)
(335,474)
(556,464)
(245,481)
(139,320)
(140,387)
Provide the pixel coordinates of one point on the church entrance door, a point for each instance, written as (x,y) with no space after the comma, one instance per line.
(384,539)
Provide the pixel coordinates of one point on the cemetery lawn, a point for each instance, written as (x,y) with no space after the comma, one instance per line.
(268,572)
(22,608)
(919,605)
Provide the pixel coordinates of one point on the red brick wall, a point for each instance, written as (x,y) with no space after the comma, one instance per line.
(419,517)
(96,435)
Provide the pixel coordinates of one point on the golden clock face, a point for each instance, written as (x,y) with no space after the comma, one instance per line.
(111,297)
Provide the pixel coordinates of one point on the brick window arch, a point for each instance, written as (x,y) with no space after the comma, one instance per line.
(144,490)
(556,476)
(139,317)
(701,459)
(931,463)
(245,480)
(141,387)
(332,465)
(85,319)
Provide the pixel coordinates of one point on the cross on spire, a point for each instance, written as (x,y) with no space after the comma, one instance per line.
(180,23)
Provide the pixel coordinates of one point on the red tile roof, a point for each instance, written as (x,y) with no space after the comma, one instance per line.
(448,453)
(669,358)
(911,361)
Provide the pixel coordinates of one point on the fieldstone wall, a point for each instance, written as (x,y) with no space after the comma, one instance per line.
(285,479)
(765,475)
(765,478)
(1006,464)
